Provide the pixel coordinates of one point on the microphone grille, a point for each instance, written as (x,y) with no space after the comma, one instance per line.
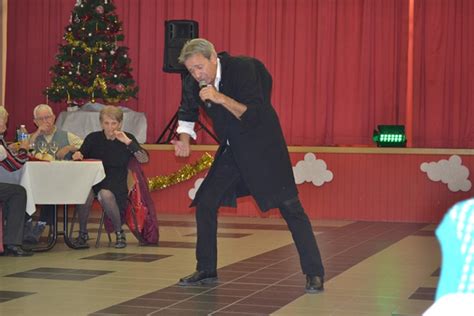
(202,84)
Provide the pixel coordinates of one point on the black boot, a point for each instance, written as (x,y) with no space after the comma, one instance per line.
(81,241)
(121,241)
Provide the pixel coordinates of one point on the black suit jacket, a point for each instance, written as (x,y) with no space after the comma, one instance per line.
(256,140)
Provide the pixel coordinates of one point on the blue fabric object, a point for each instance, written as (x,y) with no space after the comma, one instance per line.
(455,234)
(94,107)
(97,107)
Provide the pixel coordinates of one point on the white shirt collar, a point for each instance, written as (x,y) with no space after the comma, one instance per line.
(218,75)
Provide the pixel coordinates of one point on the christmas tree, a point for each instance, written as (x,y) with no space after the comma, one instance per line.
(90,63)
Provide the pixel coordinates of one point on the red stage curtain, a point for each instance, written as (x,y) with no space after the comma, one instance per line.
(443,74)
(339,67)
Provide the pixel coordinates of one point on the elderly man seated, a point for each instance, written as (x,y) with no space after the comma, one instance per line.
(64,144)
(12,196)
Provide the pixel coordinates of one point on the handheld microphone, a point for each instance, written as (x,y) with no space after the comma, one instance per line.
(207,102)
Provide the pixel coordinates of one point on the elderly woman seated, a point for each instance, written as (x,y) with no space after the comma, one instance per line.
(115,148)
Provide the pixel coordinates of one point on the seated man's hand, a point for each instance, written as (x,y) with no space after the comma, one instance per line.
(61,153)
(77,156)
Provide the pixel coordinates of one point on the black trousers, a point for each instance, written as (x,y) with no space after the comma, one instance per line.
(13,198)
(224,177)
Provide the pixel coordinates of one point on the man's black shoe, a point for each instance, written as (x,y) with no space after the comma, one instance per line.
(314,284)
(17,251)
(198,278)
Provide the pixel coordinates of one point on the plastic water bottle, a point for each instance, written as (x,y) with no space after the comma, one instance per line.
(22,133)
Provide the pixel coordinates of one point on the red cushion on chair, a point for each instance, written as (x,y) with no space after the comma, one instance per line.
(140,214)
(136,211)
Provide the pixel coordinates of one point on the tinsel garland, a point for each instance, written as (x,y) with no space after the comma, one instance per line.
(70,39)
(183,174)
(98,82)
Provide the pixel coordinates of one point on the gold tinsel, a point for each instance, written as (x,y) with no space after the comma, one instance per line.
(70,39)
(99,82)
(183,174)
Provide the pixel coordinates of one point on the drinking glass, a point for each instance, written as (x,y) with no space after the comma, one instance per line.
(42,147)
(53,148)
(31,148)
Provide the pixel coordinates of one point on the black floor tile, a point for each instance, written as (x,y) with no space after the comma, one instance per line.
(60,274)
(134,257)
(177,244)
(424,293)
(6,296)
(223,235)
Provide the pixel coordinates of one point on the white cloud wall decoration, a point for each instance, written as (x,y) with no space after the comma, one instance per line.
(450,172)
(192,191)
(312,170)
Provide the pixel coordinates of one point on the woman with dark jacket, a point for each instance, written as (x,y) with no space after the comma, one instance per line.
(115,148)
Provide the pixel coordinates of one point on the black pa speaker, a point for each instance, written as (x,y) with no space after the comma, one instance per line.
(177,32)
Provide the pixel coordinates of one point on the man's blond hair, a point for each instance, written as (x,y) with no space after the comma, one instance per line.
(196,46)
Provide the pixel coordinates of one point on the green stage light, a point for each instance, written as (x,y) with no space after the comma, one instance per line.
(390,136)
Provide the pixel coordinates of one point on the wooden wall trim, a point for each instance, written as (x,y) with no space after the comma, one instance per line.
(341,150)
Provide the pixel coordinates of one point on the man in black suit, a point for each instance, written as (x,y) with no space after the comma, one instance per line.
(252,158)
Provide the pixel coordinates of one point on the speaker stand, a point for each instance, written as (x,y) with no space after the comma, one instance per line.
(170,131)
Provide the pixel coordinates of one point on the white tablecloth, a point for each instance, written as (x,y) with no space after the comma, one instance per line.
(82,123)
(55,182)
